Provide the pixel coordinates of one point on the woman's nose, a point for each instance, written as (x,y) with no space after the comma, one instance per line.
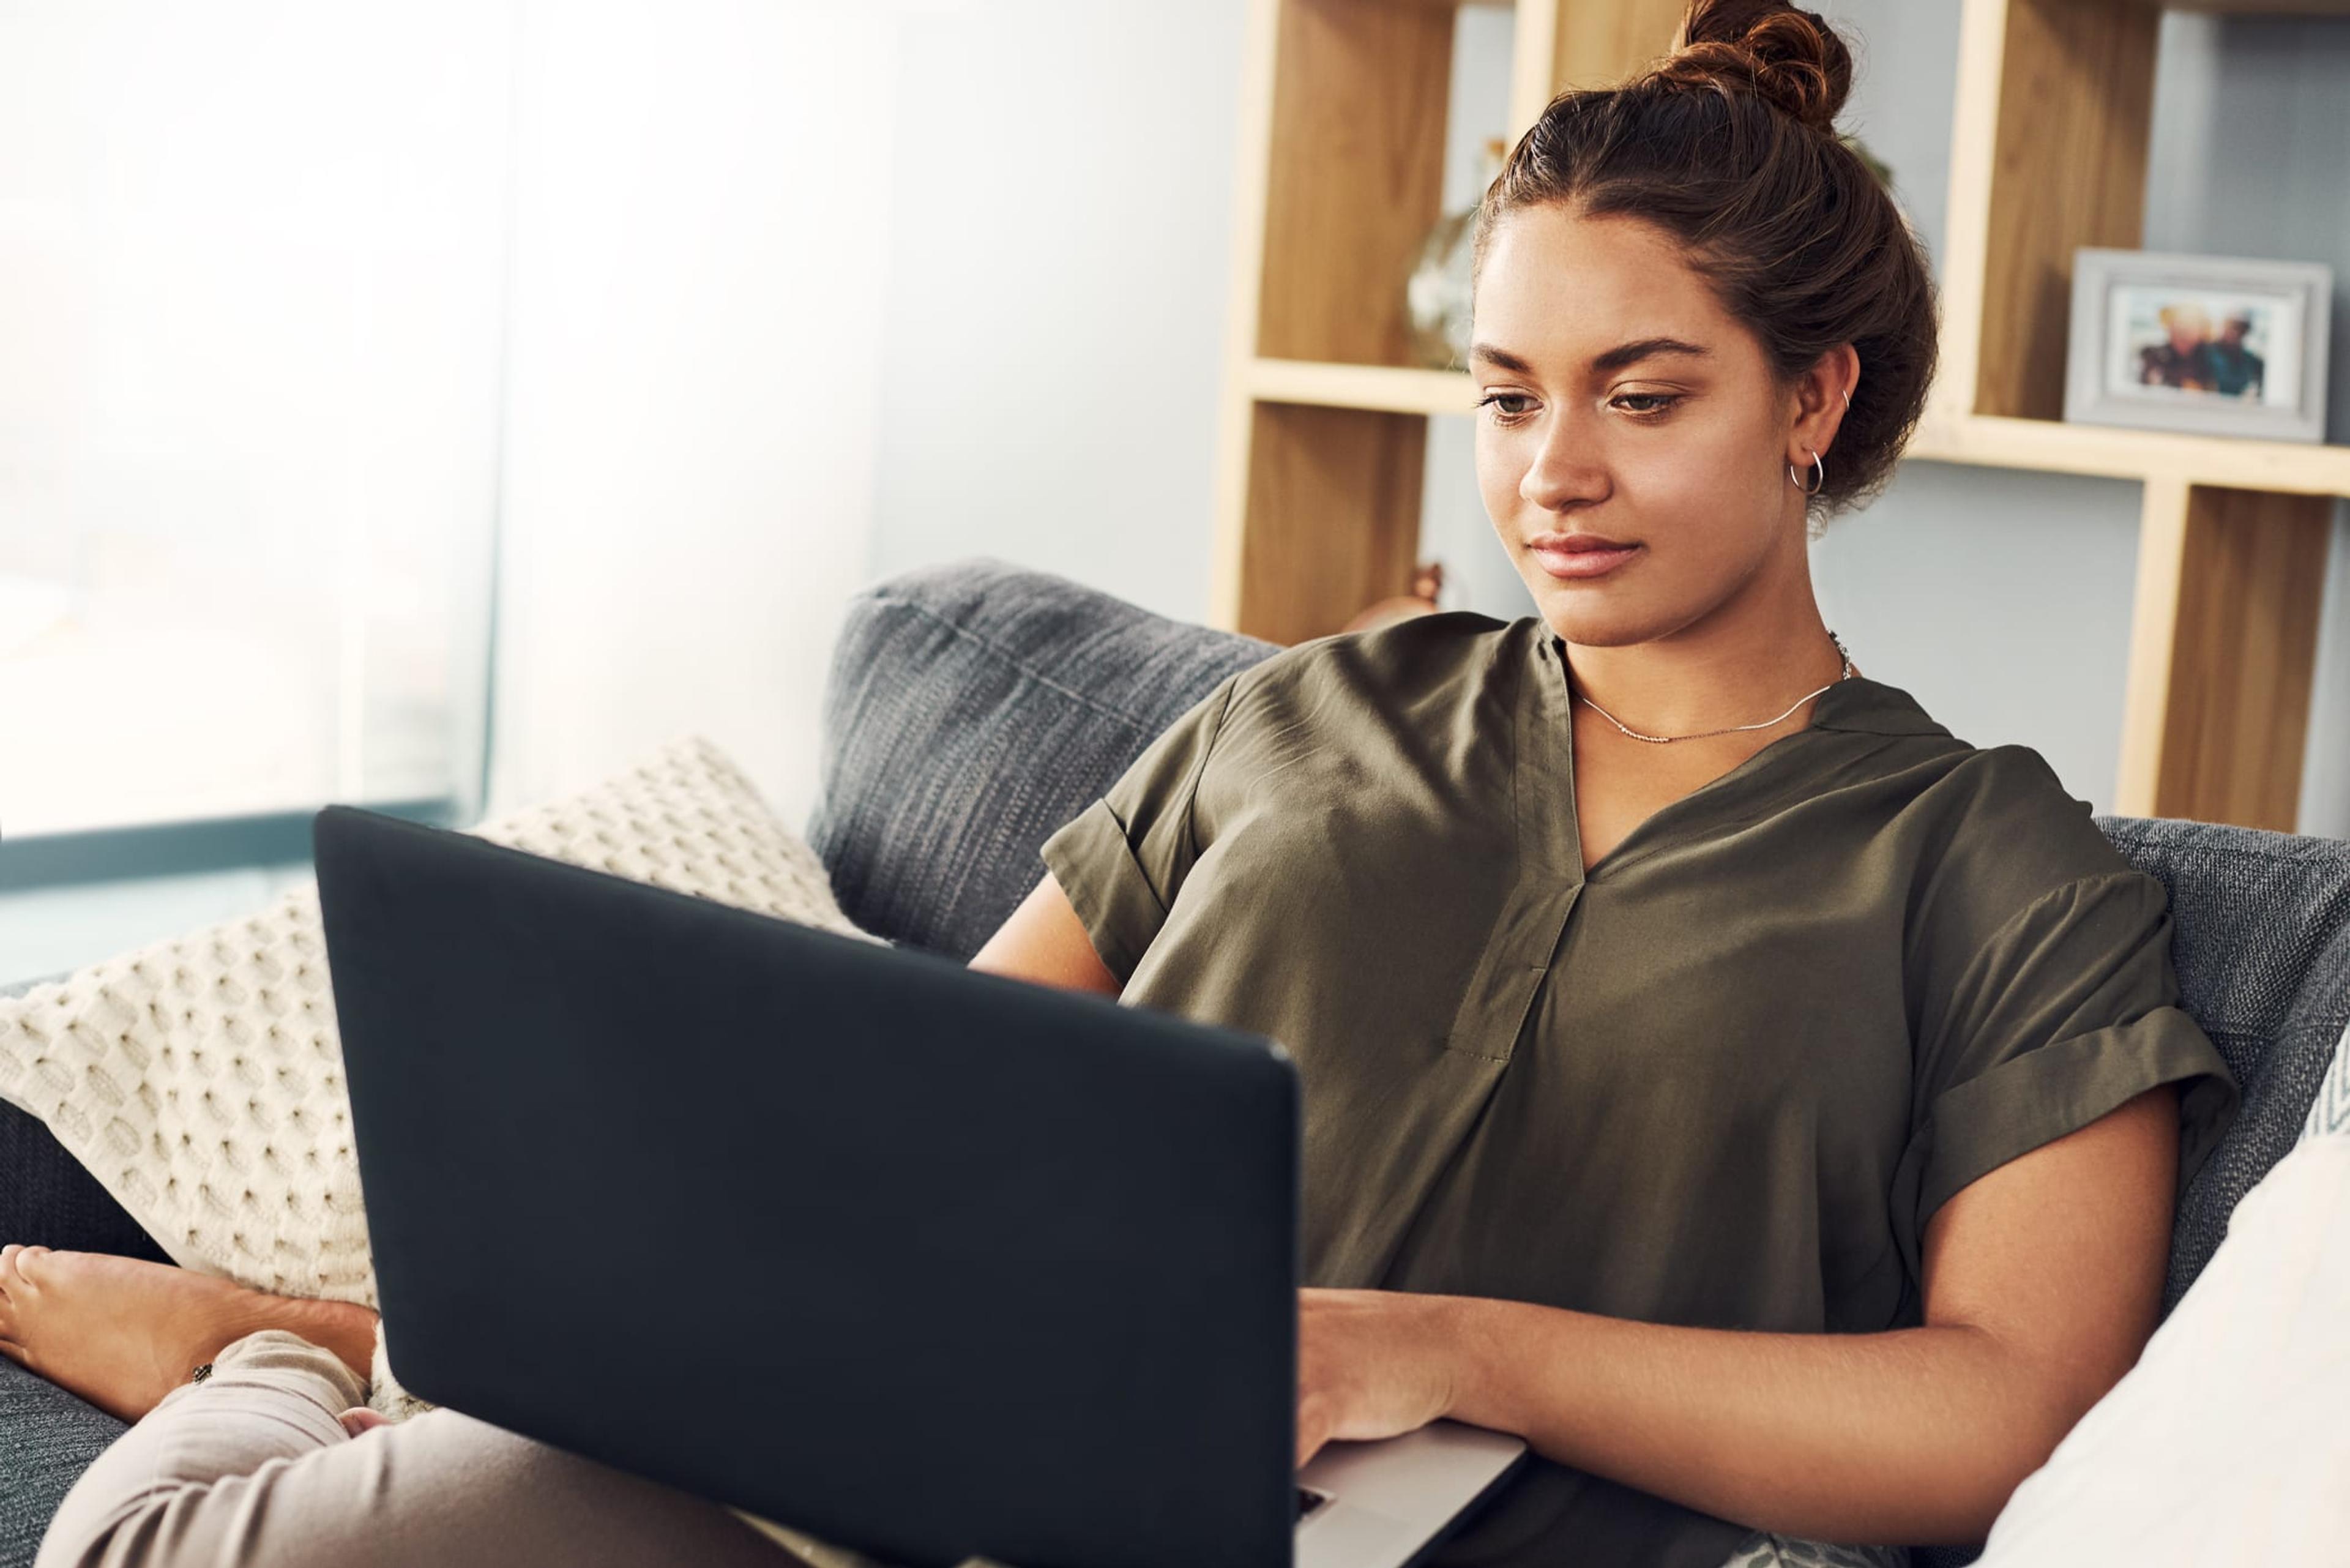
(1565,472)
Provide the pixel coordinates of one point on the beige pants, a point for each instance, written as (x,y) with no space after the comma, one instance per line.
(250,1468)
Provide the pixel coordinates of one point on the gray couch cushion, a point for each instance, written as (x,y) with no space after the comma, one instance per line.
(47,1438)
(973,708)
(46,1196)
(2261,936)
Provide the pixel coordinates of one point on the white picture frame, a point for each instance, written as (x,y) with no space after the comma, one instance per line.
(2223,345)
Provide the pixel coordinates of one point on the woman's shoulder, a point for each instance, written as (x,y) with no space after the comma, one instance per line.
(2000,802)
(2007,833)
(1399,659)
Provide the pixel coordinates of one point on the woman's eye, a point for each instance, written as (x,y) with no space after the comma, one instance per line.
(1497,402)
(1656,403)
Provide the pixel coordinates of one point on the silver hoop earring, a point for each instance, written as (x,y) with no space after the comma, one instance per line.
(1798,482)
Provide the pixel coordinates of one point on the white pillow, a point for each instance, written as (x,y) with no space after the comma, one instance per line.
(201,1080)
(2330,1111)
(2230,1441)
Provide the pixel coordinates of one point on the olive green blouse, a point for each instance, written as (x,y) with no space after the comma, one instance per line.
(1722,1079)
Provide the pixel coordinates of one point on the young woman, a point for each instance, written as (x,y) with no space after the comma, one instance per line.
(1767,1104)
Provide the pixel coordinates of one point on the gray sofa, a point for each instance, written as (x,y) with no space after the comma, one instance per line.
(973,707)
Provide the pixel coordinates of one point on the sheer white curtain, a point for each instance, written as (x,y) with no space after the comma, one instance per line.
(253,279)
(702,263)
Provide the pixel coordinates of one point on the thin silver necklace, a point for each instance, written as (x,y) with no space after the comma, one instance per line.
(1701,735)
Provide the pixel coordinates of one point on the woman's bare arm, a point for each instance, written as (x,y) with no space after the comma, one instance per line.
(2043,1282)
(1046,942)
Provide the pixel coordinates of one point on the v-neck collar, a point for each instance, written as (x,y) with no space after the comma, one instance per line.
(1858,704)
(1546,720)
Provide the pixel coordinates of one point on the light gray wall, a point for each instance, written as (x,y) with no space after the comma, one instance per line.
(1058,270)
(690,387)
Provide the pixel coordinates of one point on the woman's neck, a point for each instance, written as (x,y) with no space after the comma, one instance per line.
(1742,664)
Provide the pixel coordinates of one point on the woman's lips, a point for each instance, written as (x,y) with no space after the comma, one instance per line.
(1575,564)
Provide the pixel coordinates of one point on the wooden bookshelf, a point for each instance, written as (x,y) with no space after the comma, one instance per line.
(1325,421)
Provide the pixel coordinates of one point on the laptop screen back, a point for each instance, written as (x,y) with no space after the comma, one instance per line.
(918,1259)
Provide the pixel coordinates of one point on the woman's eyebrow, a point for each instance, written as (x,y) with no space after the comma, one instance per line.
(1624,353)
(1615,359)
(1505,360)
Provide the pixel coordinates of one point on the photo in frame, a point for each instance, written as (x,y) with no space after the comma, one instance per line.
(2219,346)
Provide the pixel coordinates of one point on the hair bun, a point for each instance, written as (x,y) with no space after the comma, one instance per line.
(1791,57)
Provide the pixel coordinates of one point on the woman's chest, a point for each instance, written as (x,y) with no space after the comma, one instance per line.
(1467,1019)
(1367,925)
(1620,783)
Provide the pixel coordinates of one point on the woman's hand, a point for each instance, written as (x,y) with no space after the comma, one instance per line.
(1370,1363)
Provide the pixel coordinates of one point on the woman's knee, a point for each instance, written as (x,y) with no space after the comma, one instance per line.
(147,1531)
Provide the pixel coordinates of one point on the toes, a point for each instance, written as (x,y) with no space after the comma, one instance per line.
(13,1259)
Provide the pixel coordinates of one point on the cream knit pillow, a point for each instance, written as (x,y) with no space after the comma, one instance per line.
(201,1080)
(2329,1113)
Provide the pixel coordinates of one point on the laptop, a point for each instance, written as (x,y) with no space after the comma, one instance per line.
(920,1260)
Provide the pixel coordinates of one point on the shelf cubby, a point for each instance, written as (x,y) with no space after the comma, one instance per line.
(1324,427)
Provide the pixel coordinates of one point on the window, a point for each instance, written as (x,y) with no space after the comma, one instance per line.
(251,285)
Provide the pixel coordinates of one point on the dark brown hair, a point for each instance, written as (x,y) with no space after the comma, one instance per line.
(1729,145)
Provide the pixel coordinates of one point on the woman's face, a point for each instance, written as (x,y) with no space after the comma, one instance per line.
(1618,399)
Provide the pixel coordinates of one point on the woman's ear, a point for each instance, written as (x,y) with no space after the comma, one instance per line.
(1823,398)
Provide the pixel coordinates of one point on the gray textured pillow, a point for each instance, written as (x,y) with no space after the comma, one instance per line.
(47,1438)
(2261,942)
(973,708)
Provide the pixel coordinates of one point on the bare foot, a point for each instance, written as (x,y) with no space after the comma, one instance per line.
(122,1332)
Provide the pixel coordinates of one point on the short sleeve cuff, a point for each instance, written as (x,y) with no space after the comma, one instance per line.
(1090,858)
(2039,1096)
